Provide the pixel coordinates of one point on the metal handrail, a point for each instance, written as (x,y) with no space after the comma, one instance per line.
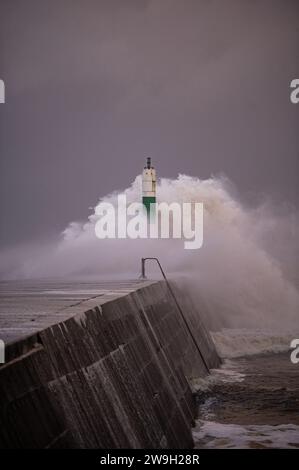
(143,276)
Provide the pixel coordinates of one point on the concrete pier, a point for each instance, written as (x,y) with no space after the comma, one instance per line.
(99,365)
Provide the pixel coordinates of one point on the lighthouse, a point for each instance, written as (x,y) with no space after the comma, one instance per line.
(148,185)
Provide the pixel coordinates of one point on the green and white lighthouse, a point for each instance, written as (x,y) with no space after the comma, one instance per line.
(148,185)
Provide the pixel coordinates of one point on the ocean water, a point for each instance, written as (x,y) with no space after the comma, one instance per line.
(252,401)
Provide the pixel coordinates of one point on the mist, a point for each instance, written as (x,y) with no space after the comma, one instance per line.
(243,276)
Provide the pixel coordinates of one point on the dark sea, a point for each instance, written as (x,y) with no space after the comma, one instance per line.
(252,401)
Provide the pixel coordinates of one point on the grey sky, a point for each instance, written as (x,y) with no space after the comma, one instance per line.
(93,86)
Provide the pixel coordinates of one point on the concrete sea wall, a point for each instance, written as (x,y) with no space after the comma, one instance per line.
(114,376)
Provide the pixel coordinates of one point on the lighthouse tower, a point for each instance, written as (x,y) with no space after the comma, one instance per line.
(148,184)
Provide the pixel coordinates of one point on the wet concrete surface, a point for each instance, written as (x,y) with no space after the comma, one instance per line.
(27,307)
(99,366)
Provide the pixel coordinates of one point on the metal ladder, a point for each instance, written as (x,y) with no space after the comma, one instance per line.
(143,276)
